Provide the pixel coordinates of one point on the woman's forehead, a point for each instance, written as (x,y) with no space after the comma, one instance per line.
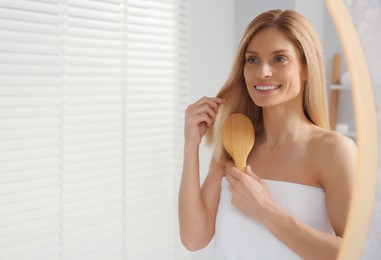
(271,40)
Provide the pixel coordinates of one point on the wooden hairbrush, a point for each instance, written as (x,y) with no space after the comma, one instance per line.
(238,138)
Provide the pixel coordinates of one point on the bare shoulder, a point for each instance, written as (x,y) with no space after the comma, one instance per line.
(335,155)
(333,146)
(333,143)
(335,158)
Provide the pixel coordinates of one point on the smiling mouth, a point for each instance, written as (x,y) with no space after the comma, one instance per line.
(262,88)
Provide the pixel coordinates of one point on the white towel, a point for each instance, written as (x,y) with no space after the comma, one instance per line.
(238,237)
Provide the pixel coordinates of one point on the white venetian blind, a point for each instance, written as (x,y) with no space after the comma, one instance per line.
(150,128)
(30,129)
(91,112)
(93,165)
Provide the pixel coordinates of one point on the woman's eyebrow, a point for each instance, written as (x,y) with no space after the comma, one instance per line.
(251,52)
(282,51)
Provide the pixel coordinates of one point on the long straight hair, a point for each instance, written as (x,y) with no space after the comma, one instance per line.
(301,33)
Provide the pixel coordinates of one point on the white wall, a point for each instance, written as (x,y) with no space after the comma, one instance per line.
(247,10)
(212,49)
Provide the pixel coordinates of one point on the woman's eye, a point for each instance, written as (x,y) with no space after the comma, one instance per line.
(280,59)
(252,60)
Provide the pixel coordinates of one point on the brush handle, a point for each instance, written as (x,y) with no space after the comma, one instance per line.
(240,164)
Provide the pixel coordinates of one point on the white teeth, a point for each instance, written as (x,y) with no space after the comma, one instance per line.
(266,87)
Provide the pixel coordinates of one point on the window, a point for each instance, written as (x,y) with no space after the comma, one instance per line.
(92,94)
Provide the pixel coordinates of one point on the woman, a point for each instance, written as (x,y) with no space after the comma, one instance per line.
(293,200)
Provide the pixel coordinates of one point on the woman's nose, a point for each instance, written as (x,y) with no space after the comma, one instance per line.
(264,71)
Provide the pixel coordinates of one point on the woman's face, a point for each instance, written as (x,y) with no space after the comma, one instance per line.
(273,71)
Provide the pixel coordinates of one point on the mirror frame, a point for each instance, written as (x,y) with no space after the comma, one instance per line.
(363,200)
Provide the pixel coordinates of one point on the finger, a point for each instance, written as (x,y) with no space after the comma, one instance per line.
(211,101)
(201,114)
(235,173)
(231,183)
(205,118)
(200,119)
(231,180)
(204,100)
(205,109)
(219,100)
(250,172)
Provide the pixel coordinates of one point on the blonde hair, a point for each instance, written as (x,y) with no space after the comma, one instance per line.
(302,34)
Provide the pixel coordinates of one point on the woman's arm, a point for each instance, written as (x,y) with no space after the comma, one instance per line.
(198,206)
(250,195)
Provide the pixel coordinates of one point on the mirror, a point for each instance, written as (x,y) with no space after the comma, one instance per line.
(363,100)
(366,178)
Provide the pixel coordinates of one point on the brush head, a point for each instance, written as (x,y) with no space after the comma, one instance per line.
(238,138)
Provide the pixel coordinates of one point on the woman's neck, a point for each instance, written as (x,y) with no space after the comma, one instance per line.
(282,124)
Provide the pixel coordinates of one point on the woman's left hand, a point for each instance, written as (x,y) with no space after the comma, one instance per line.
(249,193)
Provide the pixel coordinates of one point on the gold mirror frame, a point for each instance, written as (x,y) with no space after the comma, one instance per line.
(360,214)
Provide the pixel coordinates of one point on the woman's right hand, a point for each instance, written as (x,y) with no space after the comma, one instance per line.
(198,117)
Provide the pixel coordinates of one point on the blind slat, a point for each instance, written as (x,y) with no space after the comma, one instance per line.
(27,15)
(94,14)
(28,154)
(36,248)
(30,236)
(30,226)
(91,166)
(106,6)
(50,6)
(29,27)
(32,48)
(23,165)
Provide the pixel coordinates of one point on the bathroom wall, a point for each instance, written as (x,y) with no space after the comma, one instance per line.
(246,10)
(211,52)
(211,56)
